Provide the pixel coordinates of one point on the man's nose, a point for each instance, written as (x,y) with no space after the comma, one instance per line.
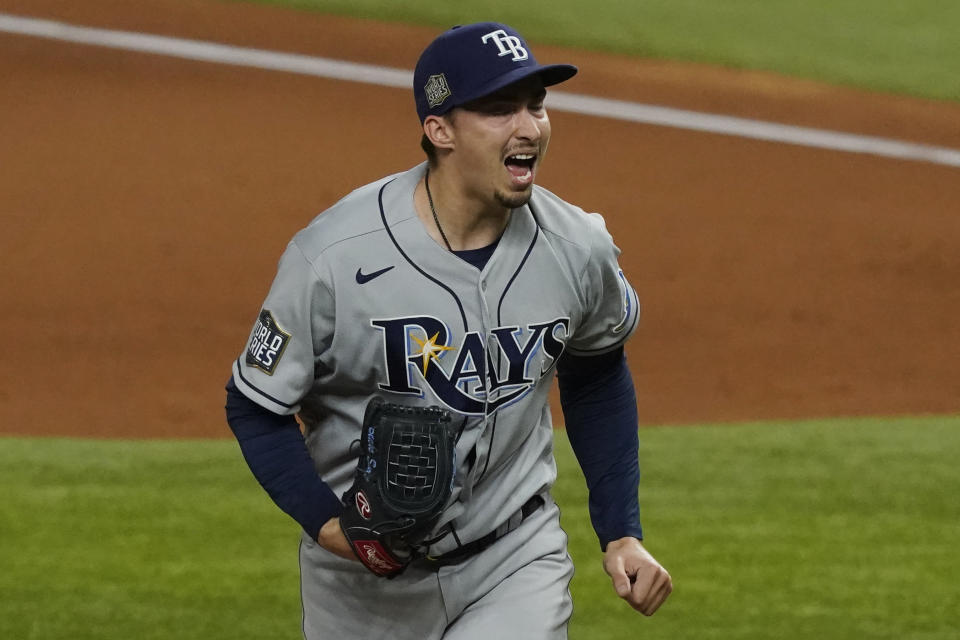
(528,126)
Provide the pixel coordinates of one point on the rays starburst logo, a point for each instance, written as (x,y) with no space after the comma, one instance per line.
(430,350)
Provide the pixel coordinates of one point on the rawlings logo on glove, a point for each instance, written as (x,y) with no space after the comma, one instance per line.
(377,559)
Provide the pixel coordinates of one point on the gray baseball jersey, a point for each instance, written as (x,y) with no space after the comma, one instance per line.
(366,303)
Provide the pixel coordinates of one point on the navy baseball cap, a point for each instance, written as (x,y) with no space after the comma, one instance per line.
(472,61)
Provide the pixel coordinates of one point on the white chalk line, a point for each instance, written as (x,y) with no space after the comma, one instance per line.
(557,100)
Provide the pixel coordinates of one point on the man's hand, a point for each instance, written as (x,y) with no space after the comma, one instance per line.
(637,577)
(332,539)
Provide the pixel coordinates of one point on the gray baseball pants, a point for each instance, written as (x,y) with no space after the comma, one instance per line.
(516,588)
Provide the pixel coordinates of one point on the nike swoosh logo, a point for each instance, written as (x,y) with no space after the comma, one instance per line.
(363,278)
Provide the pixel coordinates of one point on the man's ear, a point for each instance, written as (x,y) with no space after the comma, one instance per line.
(439,131)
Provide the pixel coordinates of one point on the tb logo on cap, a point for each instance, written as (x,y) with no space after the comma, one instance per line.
(507,44)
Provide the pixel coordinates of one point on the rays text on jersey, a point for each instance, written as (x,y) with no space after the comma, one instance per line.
(479,375)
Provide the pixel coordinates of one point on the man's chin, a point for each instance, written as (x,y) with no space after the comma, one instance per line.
(514,199)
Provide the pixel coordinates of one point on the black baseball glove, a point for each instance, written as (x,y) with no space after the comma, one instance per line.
(402,484)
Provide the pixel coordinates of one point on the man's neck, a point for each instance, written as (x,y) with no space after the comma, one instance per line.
(465,221)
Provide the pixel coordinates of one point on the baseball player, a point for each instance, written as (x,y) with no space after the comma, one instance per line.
(434,308)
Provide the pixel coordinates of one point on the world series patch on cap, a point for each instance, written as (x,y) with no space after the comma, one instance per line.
(472,61)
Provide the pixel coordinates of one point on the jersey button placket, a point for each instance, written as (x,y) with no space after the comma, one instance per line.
(482,446)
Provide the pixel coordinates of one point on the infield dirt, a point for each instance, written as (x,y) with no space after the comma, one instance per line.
(145,201)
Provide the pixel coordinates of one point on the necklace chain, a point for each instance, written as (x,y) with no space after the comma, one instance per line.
(433,210)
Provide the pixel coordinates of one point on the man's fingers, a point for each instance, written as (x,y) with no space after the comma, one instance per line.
(621,581)
(633,588)
(643,583)
(637,577)
(658,593)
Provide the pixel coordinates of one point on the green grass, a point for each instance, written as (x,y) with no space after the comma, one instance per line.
(835,529)
(903,47)
(125,540)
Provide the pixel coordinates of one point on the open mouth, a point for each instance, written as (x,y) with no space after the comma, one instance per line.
(520,166)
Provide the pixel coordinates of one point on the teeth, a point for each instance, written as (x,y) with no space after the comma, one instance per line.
(523,156)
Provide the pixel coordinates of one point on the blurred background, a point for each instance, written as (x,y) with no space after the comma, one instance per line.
(796,365)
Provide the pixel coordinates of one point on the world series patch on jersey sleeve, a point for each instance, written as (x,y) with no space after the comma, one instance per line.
(267,343)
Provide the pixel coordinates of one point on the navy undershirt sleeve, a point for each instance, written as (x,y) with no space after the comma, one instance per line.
(276,453)
(600,411)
